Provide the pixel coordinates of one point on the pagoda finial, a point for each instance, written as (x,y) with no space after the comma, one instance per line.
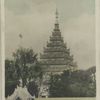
(57,16)
(56,23)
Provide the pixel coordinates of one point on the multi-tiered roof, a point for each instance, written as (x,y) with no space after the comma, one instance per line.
(56,52)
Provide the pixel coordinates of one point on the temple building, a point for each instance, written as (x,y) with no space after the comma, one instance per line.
(56,57)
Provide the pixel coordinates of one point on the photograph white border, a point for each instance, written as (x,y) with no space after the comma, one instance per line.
(2,73)
(97,10)
(2,46)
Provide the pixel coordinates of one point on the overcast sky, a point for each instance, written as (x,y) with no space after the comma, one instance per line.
(35,19)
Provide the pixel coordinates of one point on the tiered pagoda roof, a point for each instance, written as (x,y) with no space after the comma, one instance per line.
(56,51)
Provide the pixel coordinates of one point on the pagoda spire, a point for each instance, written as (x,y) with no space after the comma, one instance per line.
(56,23)
(57,14)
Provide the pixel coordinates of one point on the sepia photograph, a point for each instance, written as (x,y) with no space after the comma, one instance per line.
(50,50)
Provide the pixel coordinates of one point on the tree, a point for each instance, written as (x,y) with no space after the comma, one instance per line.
(33,88)
(26,64)
(73,84)
(59,85)
(25,67)
(11,79)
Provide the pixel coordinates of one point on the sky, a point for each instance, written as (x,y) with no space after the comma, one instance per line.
(35,19)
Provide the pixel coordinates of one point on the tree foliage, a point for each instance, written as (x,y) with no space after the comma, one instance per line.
(24,66)
(11,79)
(33,88)
(72,84)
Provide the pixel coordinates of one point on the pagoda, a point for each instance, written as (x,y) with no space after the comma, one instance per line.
(56,56)
(55,59)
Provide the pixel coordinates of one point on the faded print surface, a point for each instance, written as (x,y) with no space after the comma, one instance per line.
(53,47)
